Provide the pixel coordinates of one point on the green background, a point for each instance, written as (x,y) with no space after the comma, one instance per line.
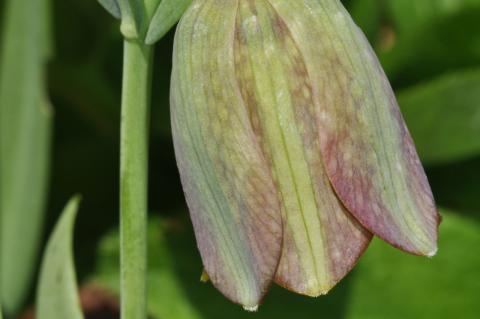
(430,50)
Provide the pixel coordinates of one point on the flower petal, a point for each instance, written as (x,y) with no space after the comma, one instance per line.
(228,184)
(322,241)
(368,152)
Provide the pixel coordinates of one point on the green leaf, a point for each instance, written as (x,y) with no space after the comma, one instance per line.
(386,283)
(112,7)
(25,127)
(430,38)
(410,15)
(170,301)
(166,15)
(57,295)
(367,15)
(444,116)
(389,284)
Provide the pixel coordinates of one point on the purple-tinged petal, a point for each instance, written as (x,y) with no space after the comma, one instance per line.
(226,178)
(369,155)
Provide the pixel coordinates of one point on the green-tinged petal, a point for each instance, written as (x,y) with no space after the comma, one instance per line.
(166,15)
(322,241)
(368,152)
(57,296)
(25,127)
(225,174)
(112,7)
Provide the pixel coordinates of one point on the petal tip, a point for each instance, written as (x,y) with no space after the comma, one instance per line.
(433,253)
(251,308)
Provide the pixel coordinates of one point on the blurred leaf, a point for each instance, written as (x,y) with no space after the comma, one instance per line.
(390,284)
(411,15)
(444,116)
(167,14)
(25,125)
(367,15)
(112,7)
(57,294)
(428,42)
(456,186)
(386,283)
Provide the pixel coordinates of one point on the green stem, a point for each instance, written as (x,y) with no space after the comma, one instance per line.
(134,178)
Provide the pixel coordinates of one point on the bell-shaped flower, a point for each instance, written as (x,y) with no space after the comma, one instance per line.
(291,146)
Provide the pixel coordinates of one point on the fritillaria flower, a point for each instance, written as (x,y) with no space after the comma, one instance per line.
(291,146)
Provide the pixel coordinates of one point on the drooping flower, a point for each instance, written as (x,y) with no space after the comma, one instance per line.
(291,146)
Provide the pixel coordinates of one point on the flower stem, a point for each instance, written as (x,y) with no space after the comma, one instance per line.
(137,69)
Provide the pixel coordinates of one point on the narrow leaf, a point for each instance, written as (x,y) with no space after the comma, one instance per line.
(112,7)
(57,295)
(25,125)
(444,117)
(367,150)
(167,14)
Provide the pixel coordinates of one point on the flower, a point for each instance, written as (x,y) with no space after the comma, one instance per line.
(291,146)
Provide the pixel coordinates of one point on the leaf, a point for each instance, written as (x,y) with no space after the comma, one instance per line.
(112,7)
(166,15)
(25,127)
(444,116)
(367,14)
(368,153)
(385,284)
(170,301)
(426,33)
(57,295)
(411,15)
(391,285)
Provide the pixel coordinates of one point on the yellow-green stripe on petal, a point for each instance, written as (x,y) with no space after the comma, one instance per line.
(322,241)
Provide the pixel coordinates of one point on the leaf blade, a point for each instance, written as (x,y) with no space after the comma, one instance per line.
(112,7)
(25,128)
(166,15)
(57,295)
(442,135)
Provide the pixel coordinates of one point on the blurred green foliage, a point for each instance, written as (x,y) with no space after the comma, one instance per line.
(25,135)
(431,52)
(386,283)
